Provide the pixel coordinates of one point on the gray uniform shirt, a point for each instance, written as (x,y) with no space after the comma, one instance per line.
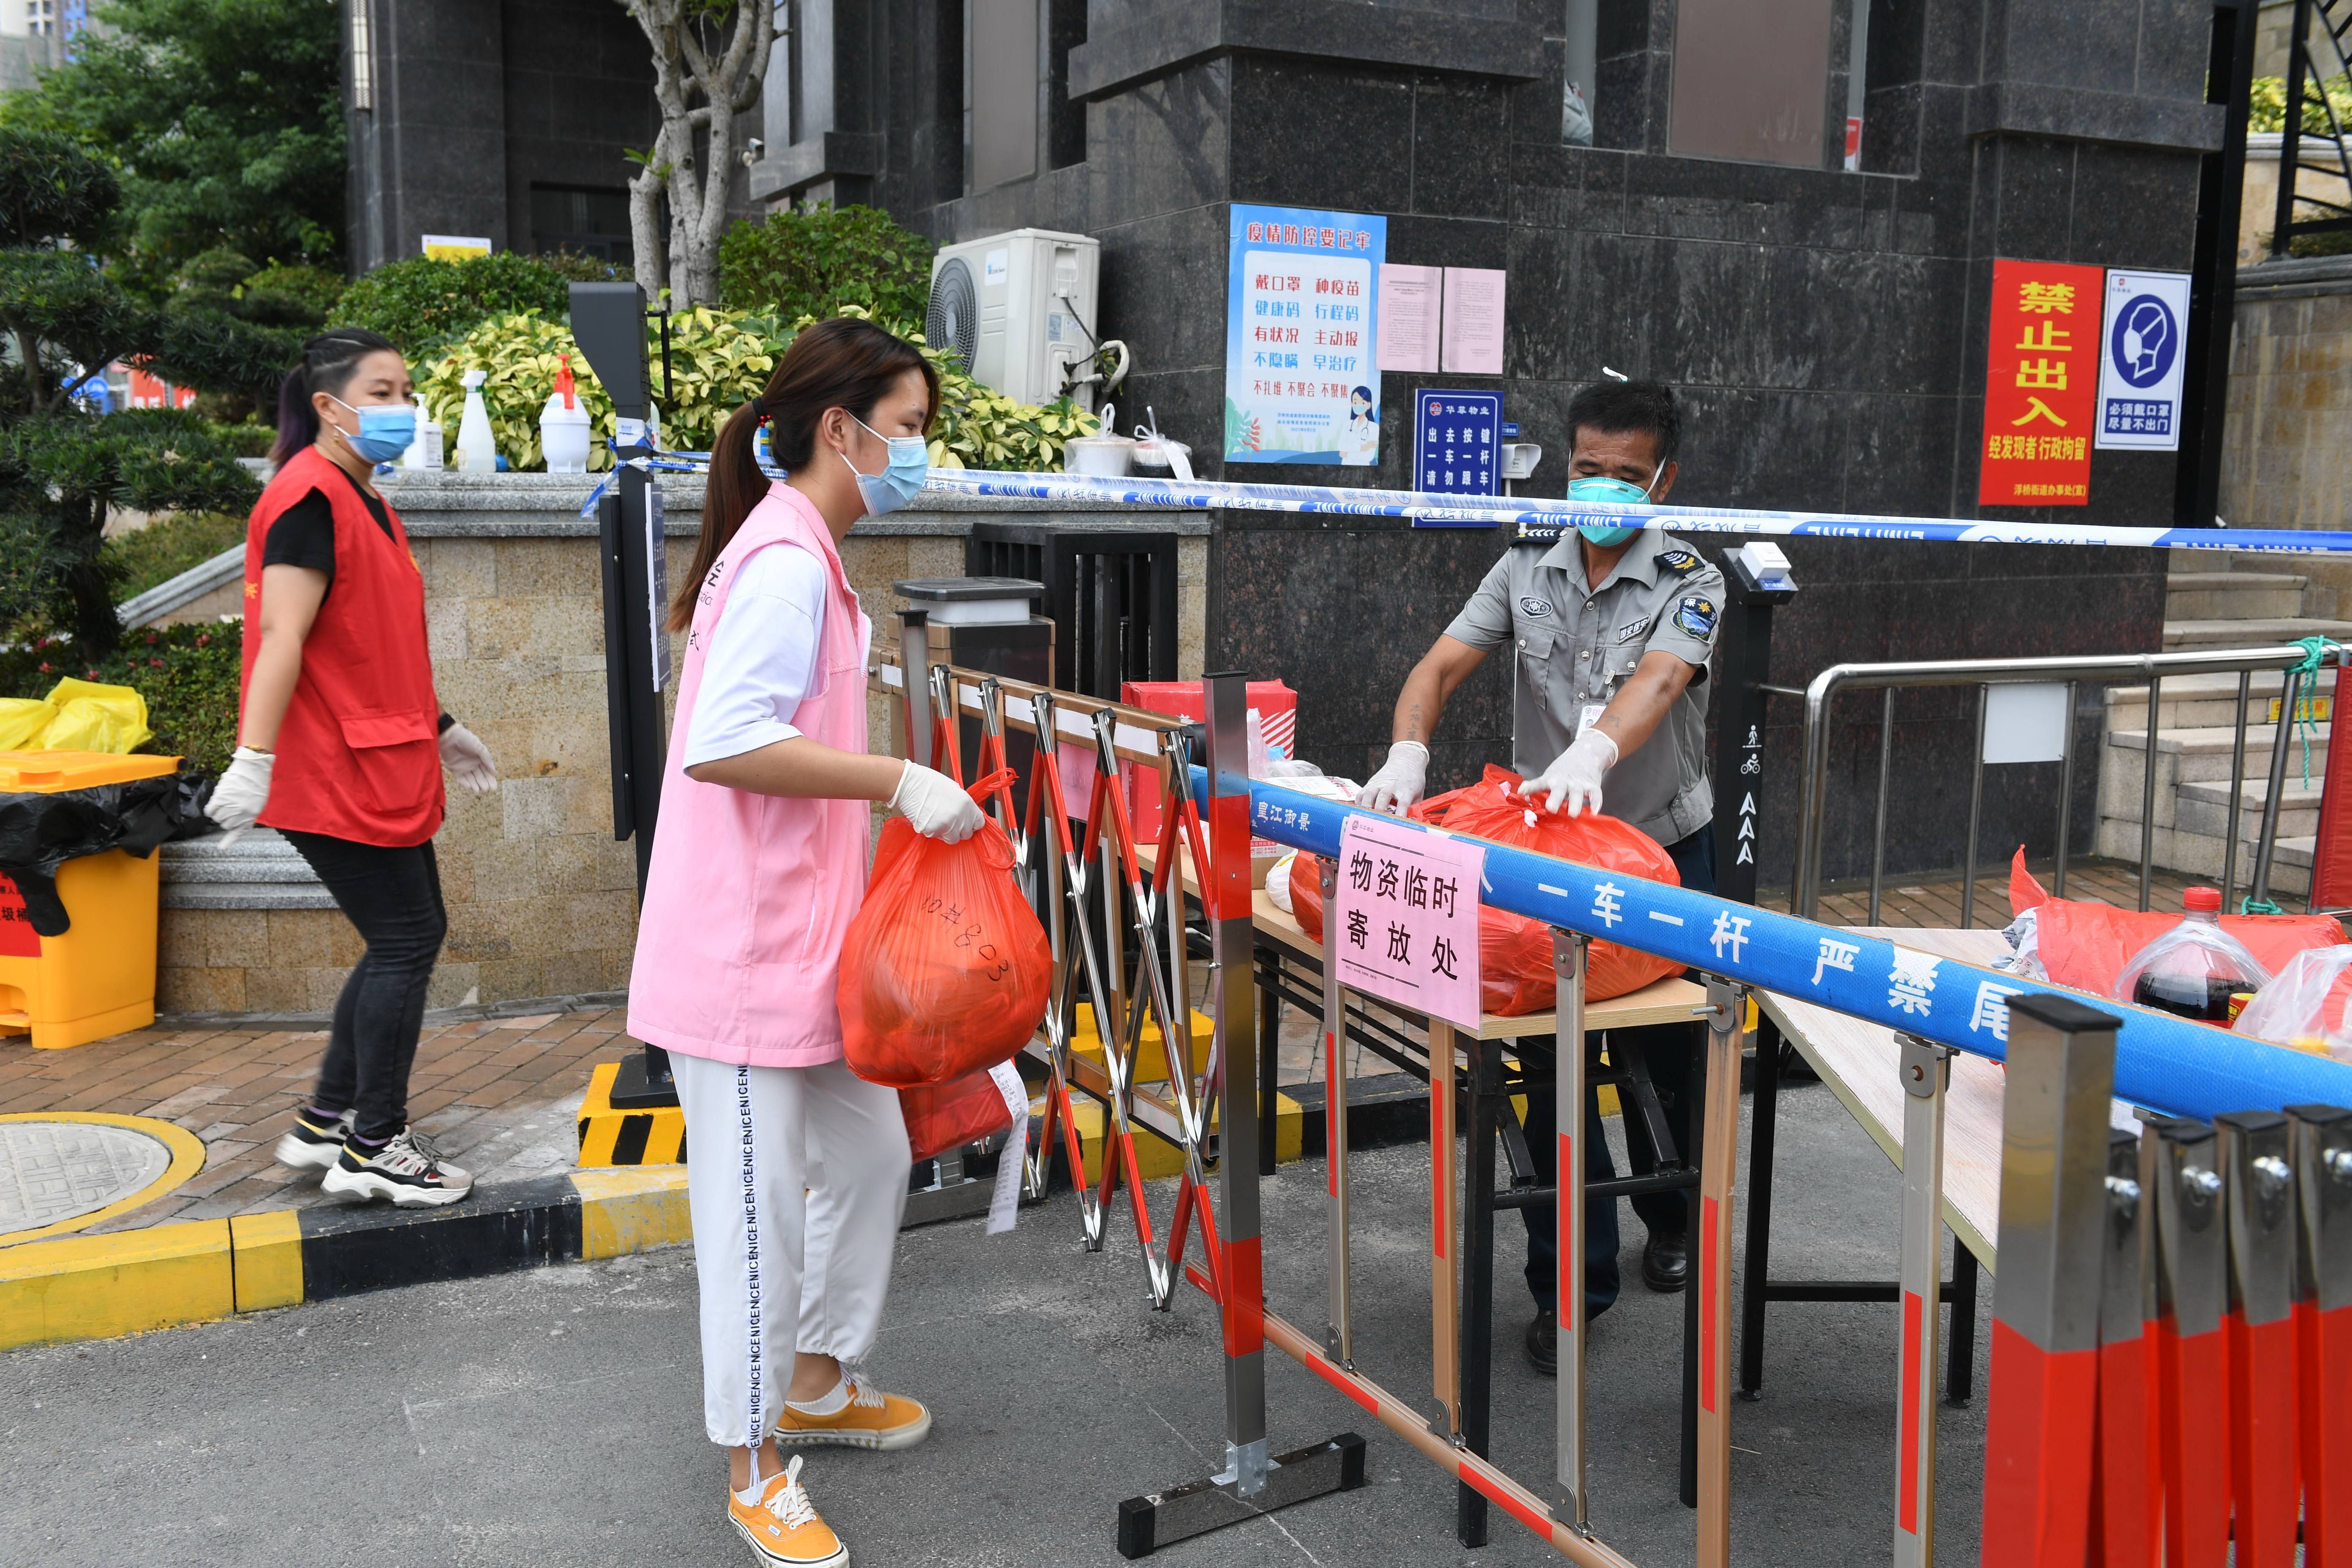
(1576,646)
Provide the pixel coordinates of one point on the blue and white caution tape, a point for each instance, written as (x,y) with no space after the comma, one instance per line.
(2162,1062)
(1537,519)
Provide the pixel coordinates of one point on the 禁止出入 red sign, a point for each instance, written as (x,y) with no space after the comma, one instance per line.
(2041,384)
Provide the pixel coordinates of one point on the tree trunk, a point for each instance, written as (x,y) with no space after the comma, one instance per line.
(97,631)
(698,92)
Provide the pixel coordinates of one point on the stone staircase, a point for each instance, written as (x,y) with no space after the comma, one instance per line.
(2215,601)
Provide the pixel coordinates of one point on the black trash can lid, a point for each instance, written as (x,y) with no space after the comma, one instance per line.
(956,590)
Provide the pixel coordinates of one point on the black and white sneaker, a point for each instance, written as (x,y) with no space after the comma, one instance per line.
(408,1170)
(313,1144)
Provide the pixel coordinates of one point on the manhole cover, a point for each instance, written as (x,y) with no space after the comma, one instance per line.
(54,1170)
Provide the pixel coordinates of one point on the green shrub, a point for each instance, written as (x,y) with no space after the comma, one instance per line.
(423,302)
(718,360)
(188,674)
(151,556)
(2267,110)
(798,264)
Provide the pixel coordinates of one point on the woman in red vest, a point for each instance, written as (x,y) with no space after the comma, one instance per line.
(343,743)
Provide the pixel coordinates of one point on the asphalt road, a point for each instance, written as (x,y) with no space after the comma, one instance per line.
(554,1416)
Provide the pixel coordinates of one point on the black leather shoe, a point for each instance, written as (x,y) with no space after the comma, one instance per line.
(1666,1261)
(1543,1344)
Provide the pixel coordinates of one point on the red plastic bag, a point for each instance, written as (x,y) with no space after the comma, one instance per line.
(945,970)
(944,1116)
(1515,960)
(2087,945)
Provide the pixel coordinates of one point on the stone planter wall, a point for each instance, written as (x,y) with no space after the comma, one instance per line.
(542,900)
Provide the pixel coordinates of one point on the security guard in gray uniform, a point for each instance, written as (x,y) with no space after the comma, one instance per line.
(1612,627)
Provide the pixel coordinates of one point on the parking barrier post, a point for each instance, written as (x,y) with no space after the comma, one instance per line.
(1718,1169)
(1925,1069)
(2321,1159)
(1571,956)
(1339,1338)
(2126,1523)
(2259,1186)
(2040,1428)
(1254,1481)
(2180,1166)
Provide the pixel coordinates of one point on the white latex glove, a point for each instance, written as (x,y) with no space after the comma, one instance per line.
(1574,776)
(243,791)
(936,804)
(1398,787)
(468,761)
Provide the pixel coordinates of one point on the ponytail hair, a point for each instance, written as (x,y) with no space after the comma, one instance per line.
(843,363)
(328,362)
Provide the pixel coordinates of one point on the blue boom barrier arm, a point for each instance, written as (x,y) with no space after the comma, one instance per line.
(2162,1062)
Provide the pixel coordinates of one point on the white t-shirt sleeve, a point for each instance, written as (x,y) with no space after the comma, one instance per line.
(763,655)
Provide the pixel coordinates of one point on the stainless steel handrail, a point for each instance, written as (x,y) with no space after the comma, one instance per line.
(2148,667)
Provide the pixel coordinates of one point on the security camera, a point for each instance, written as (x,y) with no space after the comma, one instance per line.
(753,151)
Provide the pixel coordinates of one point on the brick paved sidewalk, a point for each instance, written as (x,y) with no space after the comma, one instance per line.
(500,1095)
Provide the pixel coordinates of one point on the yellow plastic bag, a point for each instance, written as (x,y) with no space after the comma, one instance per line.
(75,716)
(22,721)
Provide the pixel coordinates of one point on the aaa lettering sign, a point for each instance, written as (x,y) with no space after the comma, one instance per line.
(2041,384)
(1405,929)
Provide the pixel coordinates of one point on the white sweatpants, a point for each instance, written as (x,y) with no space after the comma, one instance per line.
(796,1178)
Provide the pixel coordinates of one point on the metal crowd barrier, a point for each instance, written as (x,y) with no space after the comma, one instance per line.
(2300,686)
(2211,1280)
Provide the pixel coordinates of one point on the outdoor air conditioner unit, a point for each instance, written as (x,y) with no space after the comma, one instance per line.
(1019,310)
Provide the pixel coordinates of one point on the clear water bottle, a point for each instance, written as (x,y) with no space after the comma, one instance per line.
(2192,969)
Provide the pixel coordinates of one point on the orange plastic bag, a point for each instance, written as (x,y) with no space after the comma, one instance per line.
(944,1116)
(2087,945)
(1515,960)
(945,970)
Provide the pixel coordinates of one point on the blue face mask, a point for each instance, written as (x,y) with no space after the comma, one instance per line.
(901,480)
(386,431)
(1619,492)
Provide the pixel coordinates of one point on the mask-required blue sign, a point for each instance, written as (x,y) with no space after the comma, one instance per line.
(2142,360)
(1301,337)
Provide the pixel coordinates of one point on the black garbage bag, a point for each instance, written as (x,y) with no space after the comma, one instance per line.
(38,833)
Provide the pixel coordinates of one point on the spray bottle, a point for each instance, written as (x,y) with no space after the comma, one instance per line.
(564,424)
(477,451)
(424,452)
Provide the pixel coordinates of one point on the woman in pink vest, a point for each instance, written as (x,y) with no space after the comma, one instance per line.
(796,1168)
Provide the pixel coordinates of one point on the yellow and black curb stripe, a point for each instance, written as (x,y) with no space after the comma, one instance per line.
(99,1286)
(610,1137)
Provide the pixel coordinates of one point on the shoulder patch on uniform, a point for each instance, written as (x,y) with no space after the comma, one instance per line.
(1696,615)
(1531,606)
(1682,562)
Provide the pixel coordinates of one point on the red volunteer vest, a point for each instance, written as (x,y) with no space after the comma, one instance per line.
(359,754)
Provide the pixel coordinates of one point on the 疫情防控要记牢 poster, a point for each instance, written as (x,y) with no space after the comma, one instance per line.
(1301,327)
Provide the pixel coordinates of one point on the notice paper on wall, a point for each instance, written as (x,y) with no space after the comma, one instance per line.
(1472,343)
(1410,298)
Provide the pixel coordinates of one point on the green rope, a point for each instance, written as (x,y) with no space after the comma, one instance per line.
(2301,722)
(2250,905)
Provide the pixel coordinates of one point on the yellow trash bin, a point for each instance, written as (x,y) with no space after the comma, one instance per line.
(98,978)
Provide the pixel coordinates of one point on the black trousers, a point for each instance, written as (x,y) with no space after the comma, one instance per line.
(1666,1047)
(393,897)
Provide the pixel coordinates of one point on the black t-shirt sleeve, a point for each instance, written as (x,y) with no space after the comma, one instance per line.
(303,535)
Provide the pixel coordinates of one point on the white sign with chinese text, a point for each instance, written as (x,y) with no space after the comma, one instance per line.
(1404,927)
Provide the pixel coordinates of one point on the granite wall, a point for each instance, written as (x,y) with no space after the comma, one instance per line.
(1825,329)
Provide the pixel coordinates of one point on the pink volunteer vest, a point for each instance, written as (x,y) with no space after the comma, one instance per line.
(749,896)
